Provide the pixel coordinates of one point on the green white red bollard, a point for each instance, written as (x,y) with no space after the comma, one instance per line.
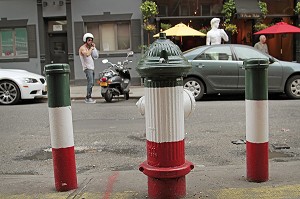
(61,126)
(164,109)
(257,122)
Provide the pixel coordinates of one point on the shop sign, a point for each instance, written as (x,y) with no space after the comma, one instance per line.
(248,15)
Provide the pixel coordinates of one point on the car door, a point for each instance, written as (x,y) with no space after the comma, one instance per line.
(275,70)
(217,68)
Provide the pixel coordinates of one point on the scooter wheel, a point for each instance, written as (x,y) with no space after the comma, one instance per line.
(108,96)
(126,96)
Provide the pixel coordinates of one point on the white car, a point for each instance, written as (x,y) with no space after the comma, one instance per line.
(16,85)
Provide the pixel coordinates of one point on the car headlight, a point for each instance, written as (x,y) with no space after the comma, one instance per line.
(30,80)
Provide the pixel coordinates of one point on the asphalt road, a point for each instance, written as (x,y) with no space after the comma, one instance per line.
(111,136)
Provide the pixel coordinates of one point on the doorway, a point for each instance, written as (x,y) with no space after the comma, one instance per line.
(58,47)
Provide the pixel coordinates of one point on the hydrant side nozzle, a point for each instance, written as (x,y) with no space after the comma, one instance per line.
(189,103)
(141,105)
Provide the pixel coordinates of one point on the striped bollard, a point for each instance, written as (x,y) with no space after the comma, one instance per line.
(257,123)
(163,67)
(61,126)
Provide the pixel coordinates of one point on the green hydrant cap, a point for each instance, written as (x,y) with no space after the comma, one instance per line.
(57,68)
(163,58)
(258,63)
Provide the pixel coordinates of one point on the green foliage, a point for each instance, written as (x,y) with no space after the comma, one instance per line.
(150,27)
(263,8)
(148,9)
(297,8)
(228,10)
(204,30)
(231,28)
(165,26)
(260,26)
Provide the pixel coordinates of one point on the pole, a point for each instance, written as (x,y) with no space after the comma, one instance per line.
(61,127)
(257,123)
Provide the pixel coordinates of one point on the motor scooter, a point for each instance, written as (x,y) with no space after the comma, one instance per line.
(115,80)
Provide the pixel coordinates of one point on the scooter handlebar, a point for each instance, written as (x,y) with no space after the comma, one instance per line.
(119,65)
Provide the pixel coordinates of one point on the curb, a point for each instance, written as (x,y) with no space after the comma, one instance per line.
(82,98)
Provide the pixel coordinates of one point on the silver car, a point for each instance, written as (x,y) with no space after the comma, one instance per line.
(219,69)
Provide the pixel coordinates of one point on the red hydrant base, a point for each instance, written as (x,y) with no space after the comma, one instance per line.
(171,188)
(166,172)
(166,182)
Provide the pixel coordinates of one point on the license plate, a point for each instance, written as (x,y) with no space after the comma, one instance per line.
(45,88)
(103,83)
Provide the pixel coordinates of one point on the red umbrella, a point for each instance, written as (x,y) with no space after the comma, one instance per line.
(279,28)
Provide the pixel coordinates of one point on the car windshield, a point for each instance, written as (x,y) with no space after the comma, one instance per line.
(243,53)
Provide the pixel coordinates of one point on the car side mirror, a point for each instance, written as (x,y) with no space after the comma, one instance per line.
(271,60)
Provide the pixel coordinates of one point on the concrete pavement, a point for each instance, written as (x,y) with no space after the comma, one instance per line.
(212,182)
(215,182)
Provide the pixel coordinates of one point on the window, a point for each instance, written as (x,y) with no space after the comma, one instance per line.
(205,10)
(162,10)
(216,53)
(111,36)
(247,53)
(184,10)
(14,43)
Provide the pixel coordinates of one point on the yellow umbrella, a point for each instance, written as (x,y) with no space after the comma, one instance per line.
(181,30)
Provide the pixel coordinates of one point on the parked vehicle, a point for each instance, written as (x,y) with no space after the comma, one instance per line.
(115,80)
(219,69)
(16,85)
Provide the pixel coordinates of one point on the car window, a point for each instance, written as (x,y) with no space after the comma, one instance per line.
(216,53)
(243,53)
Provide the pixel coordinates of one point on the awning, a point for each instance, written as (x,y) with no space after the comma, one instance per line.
(248,9)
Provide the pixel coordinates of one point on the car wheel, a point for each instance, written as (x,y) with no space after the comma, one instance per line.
(292,87)
(9,93)
(195,86)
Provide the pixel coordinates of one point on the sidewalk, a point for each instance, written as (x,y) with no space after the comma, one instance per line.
(204,181)
(214,182)
(79,92)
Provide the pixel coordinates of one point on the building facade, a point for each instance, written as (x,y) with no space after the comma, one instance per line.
(34,33)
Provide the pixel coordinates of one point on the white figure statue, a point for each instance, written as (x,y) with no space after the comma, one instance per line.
(215,35)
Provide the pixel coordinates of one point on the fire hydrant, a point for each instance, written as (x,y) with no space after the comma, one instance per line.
(163,68)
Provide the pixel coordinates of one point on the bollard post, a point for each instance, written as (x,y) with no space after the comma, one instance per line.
(61,126)
(163,67)
(257,123)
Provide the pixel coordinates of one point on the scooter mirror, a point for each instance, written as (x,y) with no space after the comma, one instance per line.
(104,61)
(130,53)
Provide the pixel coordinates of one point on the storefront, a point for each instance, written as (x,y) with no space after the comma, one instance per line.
(198,13)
